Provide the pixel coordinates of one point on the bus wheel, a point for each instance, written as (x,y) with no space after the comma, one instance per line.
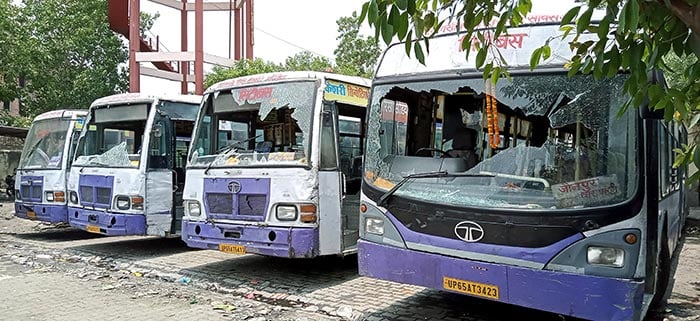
(663,275)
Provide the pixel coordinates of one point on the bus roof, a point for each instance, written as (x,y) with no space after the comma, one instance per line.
(130,98)
(60,113)
(285,76)
(515,46)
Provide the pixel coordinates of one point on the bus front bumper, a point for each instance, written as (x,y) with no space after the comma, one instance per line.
(289,242)
(107,223)
(42,212)
(581,296)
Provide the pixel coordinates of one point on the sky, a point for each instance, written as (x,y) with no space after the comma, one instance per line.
(282,29)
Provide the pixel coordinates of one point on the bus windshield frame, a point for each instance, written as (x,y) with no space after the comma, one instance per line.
(46,142)
(507,191)
(264,124)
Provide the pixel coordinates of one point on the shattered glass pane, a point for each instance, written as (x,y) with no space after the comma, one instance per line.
(544,141)
(256,126)
(44,144)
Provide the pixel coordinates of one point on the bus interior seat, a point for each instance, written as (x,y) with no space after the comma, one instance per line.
(263,147)
(464,145)
(405,165)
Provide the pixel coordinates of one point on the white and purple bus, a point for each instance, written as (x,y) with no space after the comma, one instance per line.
(532,192)
(275,165)
(40,182)
(129,169)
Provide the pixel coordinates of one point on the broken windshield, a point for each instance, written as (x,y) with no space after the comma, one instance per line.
(113,137)
(255,126)
(45,144)
(539,141)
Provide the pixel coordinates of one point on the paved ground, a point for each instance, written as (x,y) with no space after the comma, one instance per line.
(113,270)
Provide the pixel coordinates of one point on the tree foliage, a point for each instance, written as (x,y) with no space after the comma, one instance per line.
(243,67)
(65,52)
(356,55)
(634,36)
(306,60)
(9,66)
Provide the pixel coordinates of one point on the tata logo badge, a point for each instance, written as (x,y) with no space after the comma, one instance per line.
(469,231)
(234,187)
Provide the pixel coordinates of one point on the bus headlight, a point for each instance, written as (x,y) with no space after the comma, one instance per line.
(193,208)
(73,196)
(123,202)
(374,225)
(609,256)
(49,196)
(286,212)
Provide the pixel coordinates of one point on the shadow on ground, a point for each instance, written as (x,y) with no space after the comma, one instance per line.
(449,306)
(279,275)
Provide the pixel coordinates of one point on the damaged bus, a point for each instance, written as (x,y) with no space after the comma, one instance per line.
(275,165)
(532,192)
(129,169)
(42,175)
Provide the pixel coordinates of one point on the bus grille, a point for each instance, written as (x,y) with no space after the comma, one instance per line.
(247,202)
(96,190)
(31,189)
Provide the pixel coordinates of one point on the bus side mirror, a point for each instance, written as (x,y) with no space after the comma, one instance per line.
(647,112)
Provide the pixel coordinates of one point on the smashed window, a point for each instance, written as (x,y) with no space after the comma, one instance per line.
(256,126)
(45,143)
(544,141)
(113,138)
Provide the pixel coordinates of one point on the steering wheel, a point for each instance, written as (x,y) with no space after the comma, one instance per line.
(430,149)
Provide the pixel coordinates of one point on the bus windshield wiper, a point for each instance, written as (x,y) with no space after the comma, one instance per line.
(224,150)
(439,174)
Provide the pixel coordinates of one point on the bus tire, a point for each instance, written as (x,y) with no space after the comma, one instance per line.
(663,275)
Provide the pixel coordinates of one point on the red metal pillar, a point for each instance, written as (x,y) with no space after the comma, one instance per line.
(199,47)
(134,44)
(237,31)
(184,65)
(249,29)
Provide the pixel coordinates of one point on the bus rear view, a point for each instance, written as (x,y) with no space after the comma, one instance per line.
(40,183)
(532,192)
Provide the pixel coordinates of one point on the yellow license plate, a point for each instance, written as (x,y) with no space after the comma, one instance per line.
(31,214)
(469,287)
(93,229)
(231,248)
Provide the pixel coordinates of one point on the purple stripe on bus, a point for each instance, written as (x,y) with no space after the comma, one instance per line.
(582,296)
(124,224)
(44,213)
(290,242)
(539,255)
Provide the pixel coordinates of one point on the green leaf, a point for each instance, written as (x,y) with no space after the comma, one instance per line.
(495,75)
(402,4)
(373,12)
(632,15)
(401,27)
(570,15)
(604,28)
(501,26)
(546,52)
(411,7)
(419,52)
(584,21)
(487,70)
(535,58)
(363,13)
(387,31)
(480,58)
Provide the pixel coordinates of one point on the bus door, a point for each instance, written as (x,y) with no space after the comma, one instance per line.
(159,178)
(331,184)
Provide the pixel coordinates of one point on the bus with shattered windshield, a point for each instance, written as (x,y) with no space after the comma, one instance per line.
(129,168)
(275,165)
(42,175)
(533,191)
